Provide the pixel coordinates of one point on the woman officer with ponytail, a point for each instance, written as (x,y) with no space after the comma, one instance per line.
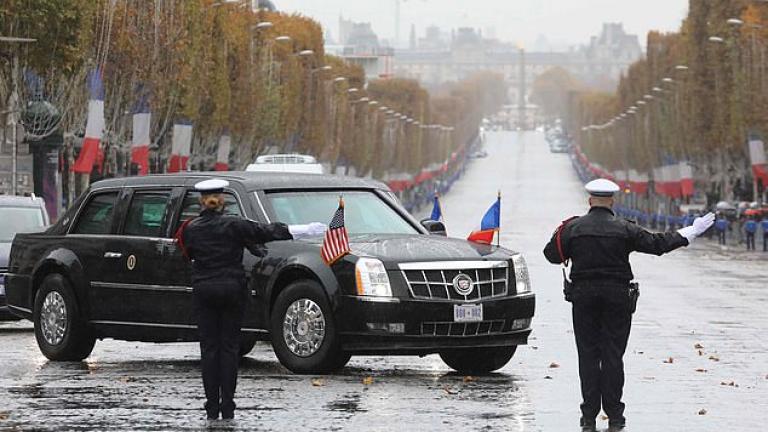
(215,242)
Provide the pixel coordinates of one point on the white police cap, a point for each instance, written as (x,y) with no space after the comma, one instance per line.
(602,188)
(212,186)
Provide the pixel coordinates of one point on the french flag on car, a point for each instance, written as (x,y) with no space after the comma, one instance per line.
(490,224)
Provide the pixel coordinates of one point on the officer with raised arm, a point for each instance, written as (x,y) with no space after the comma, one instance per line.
(597,245)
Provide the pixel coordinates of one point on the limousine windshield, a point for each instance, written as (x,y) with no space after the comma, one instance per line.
(364,212)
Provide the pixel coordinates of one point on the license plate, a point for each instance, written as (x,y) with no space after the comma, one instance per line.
(467,313)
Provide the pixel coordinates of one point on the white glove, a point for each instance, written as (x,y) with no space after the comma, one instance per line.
(309,230)
(699,227)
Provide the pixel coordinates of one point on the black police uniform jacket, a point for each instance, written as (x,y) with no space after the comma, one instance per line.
(599,244)
(215,243)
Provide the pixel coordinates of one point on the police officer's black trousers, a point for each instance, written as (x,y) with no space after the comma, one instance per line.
(220,307)
(601,324)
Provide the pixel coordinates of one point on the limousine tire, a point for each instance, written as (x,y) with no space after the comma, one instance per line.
(61,333)
(478,361)
(303,330)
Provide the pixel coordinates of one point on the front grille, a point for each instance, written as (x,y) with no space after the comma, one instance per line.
(429,281)
(462,329)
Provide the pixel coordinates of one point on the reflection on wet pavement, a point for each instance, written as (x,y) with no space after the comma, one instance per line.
(697,357)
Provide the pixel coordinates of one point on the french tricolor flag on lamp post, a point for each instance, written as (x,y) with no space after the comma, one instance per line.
(180,147)
(94,127)
(222,158)
(142,121)
(489,226)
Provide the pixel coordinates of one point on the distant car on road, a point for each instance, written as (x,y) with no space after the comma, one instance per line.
(559,146)
(111,269)
(17,215)
(286,163)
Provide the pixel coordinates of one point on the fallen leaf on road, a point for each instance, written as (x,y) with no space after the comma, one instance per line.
(534,347)
(701,370)
(317,382)
(669,360)
(701,353)
(368,380)
(553,365)
(702,411)
(604,417)
(3,415)
(449,390)
(547,377)
(469,379)
(729,384)
(714,358)
(699,346)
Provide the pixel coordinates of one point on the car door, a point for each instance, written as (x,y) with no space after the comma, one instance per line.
(94,225)
(135,288)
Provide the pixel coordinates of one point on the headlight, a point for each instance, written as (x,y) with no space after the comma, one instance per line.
(2,285)
(522,279)
(372,279)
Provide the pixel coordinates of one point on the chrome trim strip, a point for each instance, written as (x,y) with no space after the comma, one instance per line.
(376,299)
(453,265)
(261,207)
(177,326)
(19,308)
(131,323)
(142,287)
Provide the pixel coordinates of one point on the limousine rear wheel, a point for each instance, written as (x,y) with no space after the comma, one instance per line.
(478,360)
(61,333)
(303,330)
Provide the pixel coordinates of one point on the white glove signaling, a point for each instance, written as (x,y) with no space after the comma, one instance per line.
(309,230)
(699,227)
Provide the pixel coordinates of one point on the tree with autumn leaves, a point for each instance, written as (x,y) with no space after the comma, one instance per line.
(698,96)
(260,77)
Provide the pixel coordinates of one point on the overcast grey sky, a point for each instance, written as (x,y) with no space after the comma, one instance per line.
(563,21)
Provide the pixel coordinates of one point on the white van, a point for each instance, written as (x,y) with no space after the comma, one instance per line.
(286,163)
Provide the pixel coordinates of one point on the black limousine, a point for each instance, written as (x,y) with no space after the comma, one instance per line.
(109,268)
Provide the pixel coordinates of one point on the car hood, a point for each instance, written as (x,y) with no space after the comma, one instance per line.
(393,249)
(5,253)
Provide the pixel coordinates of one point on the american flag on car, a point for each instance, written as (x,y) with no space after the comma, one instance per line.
(336,241)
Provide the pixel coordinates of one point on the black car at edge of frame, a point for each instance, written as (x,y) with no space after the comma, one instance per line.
(109,268)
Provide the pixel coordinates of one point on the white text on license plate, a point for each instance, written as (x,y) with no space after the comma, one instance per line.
(467,313)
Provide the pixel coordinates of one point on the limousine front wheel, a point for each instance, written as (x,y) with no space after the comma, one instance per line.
(303,331)
(478,360)
(59,329)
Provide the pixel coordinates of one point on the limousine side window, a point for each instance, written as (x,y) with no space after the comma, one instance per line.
(190,209)
(97,216)
(146,214)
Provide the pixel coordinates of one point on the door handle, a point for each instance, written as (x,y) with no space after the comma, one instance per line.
(113,255)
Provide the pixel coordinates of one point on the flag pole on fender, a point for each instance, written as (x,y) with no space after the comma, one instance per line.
(498,230)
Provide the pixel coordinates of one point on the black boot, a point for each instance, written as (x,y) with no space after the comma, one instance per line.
(588,425)
(618,424)
(212,410)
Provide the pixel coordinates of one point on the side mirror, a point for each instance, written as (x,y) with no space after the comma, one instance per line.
(434,227)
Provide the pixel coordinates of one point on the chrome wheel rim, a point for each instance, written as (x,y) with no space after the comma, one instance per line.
(53,318)
(304,327)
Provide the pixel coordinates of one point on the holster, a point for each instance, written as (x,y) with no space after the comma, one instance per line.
(634,295)
(567,288)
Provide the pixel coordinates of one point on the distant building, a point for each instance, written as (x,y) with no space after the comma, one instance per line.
(438,59)
(359,44)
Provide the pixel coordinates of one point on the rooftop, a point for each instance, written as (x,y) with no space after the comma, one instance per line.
(250,180)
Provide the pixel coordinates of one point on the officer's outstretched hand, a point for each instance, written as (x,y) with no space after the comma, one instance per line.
(702,224)
(699,227)
(309,230)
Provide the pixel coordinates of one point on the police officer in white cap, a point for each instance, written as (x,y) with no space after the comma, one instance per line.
(215,242)
(598,245)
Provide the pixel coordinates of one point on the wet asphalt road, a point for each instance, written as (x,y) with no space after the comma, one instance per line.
(704,297)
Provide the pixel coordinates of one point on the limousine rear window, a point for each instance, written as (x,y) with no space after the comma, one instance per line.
(364,212)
